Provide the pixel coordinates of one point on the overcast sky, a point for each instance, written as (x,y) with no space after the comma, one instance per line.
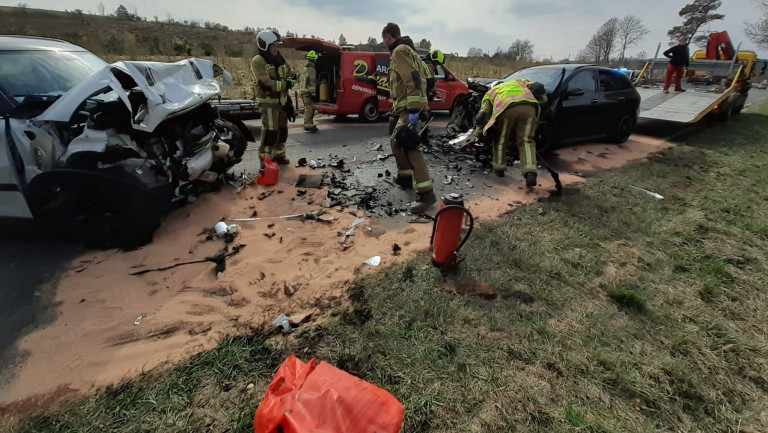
(556,27)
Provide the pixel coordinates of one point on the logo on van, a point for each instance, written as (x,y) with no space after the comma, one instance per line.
(380,79)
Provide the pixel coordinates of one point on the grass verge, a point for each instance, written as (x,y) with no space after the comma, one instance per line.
(615,313)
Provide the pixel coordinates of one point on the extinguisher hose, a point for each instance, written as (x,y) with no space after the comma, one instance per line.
(469,230)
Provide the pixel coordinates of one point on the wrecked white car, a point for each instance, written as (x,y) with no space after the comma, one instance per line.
(100,151)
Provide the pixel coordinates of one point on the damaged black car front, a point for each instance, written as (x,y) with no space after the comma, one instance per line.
(101,152)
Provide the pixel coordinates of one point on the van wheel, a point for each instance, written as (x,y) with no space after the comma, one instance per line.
(370,111)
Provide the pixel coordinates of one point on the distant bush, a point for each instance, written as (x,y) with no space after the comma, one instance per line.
(208,49)
(234,51)
(114,45)
(73,37)
(149,43)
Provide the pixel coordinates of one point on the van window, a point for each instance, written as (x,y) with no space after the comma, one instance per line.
(439,72)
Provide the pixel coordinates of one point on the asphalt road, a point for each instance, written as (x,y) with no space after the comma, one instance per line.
(30,262)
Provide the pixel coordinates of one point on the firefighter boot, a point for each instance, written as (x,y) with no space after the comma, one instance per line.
(424,202)
(530,179)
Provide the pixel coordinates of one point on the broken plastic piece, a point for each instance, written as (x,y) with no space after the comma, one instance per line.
(313,164)
(284,321)
(138,320)
(650,193)
(373,261)
(220,227)
(356,223)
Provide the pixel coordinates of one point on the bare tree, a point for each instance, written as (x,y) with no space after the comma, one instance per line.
(694,16)
(521,49)
(100,8)
(474,52)
(757,32)
(631,32)
(602,43)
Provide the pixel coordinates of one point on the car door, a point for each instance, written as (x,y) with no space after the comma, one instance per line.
(615,98)
(575,117)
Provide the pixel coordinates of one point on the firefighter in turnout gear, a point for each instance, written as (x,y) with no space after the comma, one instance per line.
(434,58)
(274,77)
(511,111)
(408,89)
(308,91)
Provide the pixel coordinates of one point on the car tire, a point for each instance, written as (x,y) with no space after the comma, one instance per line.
(544,138)
(96,211)
(233,136)
(369,112)
(623,129)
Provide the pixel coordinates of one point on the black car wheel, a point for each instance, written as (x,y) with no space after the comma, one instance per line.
(623,130)
(545,135)
(370,111)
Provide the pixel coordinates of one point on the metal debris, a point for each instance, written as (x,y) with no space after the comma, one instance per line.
(650,193)
(351,230)
(282,321)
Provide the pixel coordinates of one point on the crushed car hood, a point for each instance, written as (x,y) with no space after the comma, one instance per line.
(170,89)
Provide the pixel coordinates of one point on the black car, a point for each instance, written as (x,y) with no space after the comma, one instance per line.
(584,101)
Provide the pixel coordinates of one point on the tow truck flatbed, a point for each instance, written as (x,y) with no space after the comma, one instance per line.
(712,86)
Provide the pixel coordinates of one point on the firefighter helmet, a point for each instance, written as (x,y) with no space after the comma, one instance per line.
(312,56)
(266,38)
(437,56)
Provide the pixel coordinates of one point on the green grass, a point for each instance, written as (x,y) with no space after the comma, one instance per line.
(616,313)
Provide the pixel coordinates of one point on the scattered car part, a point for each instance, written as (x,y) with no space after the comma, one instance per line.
(650,193)
(373,261)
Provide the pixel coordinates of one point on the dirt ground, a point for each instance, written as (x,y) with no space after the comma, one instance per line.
(290,267)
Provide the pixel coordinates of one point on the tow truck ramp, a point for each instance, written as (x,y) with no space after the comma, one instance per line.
(705,92)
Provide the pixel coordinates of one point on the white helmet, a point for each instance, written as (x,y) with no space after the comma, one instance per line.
(267,37)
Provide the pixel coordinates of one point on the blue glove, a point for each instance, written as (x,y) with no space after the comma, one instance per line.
(413,118)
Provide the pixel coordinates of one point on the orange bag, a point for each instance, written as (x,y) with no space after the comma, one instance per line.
(309,398)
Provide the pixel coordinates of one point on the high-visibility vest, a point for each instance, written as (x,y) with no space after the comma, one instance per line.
(505,94)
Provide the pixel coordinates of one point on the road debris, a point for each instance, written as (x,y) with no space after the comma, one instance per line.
(282,321)
(289,288)
(373,261)
(137,322)
(307,216)
(650,193)
(396,250)
(265,194)
(219,259)
(302,162)
(351,230)
(310,181)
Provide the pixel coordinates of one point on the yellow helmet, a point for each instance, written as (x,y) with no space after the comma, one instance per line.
(312,55)
(437,56)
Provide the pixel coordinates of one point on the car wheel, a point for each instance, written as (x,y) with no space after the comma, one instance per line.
(370,111)
(233,136)
(623,130)
(545,135)
(95,211)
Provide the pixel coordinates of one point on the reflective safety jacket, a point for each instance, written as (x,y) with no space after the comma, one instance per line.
(502,96)
(308,80)
(407,82)
(271,81)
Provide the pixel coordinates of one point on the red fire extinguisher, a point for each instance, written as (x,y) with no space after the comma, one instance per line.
(446,232)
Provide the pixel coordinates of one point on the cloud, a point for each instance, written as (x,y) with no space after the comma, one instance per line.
(527,9)
(387,10)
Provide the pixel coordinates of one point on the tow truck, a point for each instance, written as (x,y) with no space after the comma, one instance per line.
(716,83)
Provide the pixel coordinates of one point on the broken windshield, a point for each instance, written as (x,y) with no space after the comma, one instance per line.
(548,76)
(33,80)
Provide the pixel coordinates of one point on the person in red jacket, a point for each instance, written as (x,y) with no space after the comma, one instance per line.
(678,59)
